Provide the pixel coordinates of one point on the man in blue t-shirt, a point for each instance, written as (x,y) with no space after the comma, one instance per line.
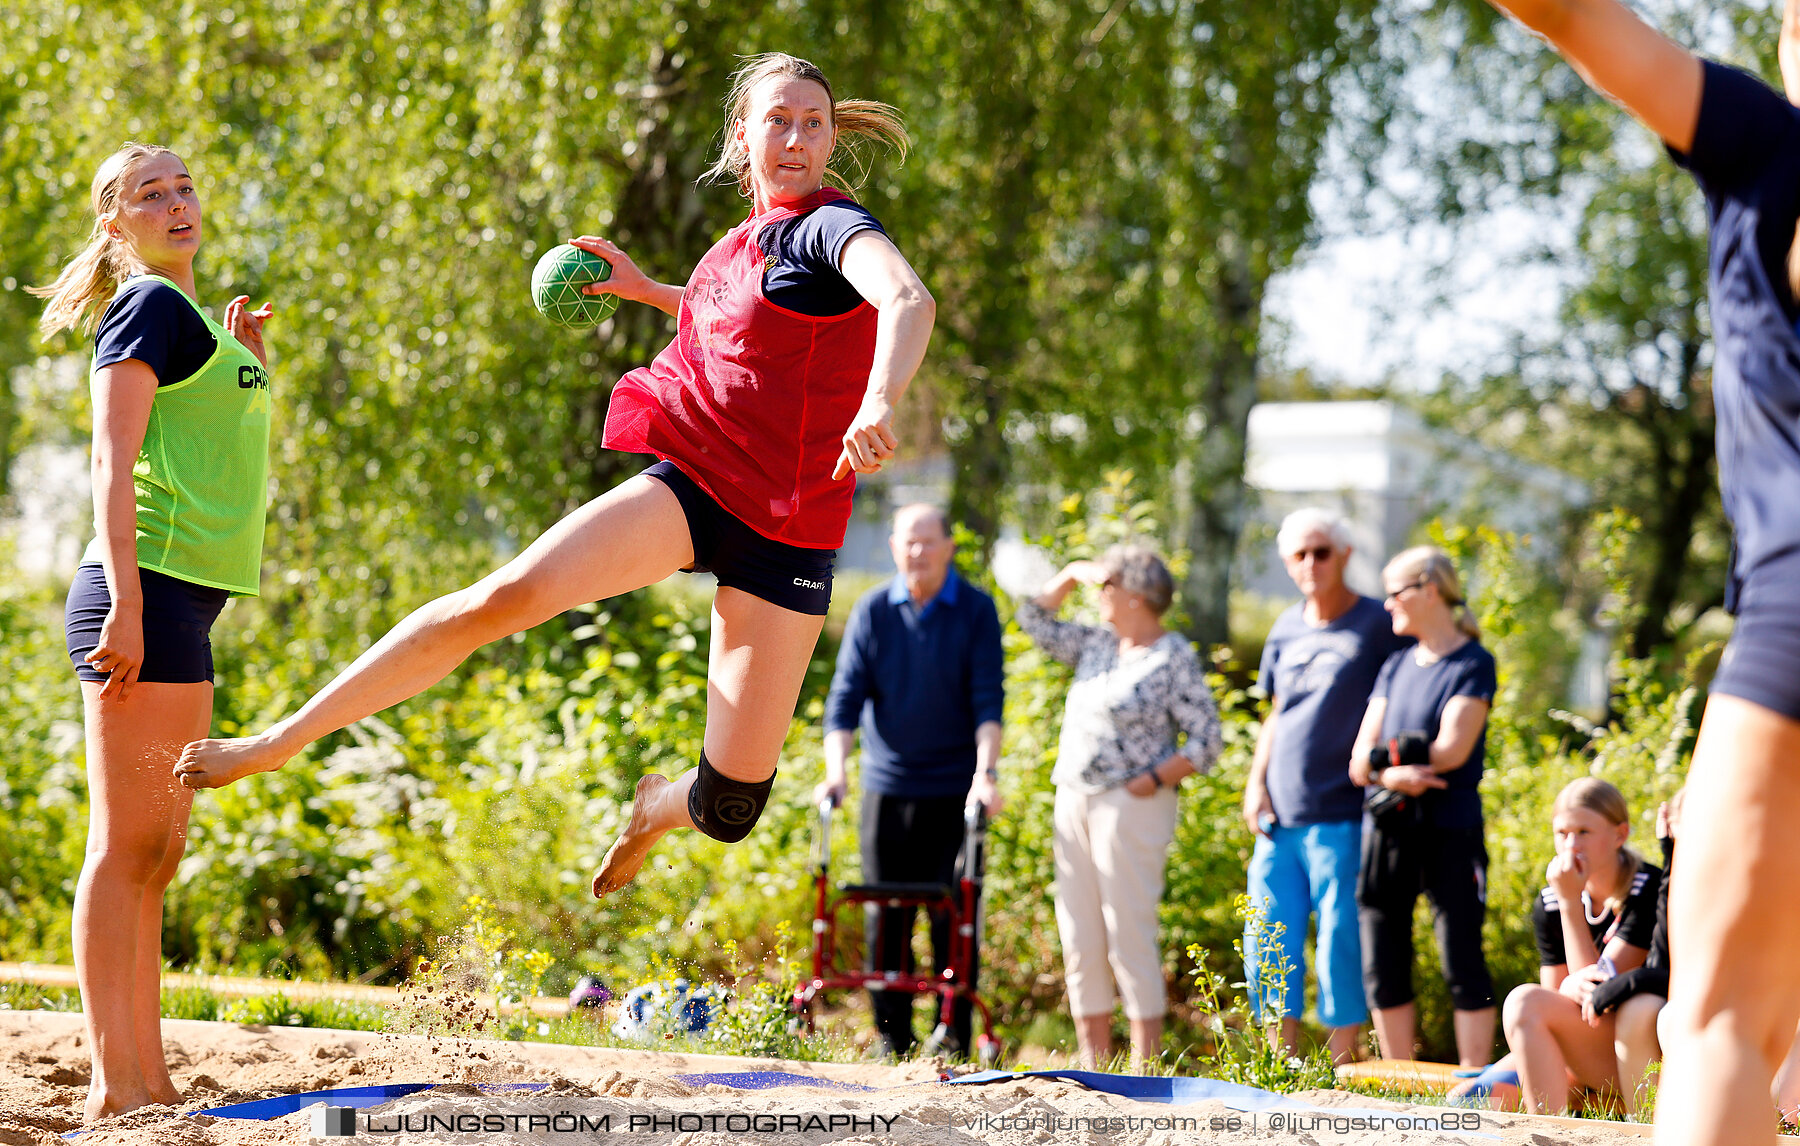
(1318,667)
(920,670)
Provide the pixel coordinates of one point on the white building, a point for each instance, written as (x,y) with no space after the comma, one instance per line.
(1382,467)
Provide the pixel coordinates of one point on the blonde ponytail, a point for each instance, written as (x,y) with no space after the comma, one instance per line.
(1466,622)
(858,122)
(88,282)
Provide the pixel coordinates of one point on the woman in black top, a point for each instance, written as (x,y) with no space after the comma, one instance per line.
(1434,698)
(1735,994)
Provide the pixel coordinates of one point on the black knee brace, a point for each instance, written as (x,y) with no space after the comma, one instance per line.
(723,808)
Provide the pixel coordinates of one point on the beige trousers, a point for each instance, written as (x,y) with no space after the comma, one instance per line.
(1111,849)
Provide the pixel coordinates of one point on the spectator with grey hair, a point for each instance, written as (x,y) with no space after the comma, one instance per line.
(1138,689)
(1319,665)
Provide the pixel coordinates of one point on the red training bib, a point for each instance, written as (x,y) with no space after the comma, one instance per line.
(751,400)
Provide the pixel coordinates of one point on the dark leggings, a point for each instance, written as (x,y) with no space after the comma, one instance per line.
(909,841)
(1450,866)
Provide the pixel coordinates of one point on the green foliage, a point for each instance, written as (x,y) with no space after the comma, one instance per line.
(1245,1047)
(387,175)
(42,789)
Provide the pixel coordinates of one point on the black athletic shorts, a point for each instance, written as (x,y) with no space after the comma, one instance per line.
(781,574)
(1762,661)
(178,619)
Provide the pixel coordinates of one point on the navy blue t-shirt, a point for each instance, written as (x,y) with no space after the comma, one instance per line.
(1746,157)
(154,323)
(1416,698)
(804,276)
(920,682)
(1319,681)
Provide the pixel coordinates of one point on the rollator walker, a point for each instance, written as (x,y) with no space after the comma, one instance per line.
(962,902)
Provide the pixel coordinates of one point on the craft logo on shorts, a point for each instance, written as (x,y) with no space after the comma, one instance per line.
(334,1122)
(805,584)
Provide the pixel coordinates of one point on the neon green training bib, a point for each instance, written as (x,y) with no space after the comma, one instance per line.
(202,477)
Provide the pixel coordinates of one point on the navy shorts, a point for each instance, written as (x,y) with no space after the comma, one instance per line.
(1762,662)
(178,618)
(781,574)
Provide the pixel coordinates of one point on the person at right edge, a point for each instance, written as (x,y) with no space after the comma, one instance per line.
(1734,990)
(1419,754)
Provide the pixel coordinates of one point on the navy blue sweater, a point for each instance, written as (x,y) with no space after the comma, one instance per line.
(919,681)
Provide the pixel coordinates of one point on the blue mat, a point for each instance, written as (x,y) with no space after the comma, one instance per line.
(1143,1088)
(356,1096)
(764,1080)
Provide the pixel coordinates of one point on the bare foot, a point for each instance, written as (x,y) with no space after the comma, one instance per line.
(629,851)
(102,1104)
(216,763)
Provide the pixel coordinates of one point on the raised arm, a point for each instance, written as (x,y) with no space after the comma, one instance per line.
(1623,58)
(881,274)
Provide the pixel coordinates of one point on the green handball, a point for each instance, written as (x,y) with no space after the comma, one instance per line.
(556,284)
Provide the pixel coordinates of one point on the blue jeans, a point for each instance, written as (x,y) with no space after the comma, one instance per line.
(1295,872)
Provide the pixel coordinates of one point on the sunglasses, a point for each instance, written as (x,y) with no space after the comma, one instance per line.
(1405,589)
(1317,553)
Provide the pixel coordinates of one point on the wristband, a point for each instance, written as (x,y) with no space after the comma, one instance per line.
(1154,778)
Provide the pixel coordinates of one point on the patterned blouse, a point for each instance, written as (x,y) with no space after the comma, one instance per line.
(1124,709)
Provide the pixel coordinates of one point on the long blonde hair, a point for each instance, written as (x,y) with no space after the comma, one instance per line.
(1430,564)
(90,279)
(855,119)
(1593,794)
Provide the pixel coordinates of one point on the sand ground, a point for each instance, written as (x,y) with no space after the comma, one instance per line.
(44,1076)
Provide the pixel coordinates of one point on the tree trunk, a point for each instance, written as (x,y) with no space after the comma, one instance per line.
(1217,498)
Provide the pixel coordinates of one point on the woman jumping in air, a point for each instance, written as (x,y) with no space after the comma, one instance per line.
(1734,994)
(798,333)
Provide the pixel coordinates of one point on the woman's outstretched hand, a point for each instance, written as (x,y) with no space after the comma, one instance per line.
(247,325)
(869,443)
(626,280)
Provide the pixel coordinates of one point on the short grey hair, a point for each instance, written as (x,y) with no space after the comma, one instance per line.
(1138,570)
(924,510)
(1296,525)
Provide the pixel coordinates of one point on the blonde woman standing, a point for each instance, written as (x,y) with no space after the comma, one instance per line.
(797,334)
(1419,756)
(180,457)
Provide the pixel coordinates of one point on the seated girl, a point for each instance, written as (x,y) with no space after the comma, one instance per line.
(1584,1024)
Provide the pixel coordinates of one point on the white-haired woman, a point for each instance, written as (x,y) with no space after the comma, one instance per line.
(180,457)
(796,335)
(1422,829)
(1139,717)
